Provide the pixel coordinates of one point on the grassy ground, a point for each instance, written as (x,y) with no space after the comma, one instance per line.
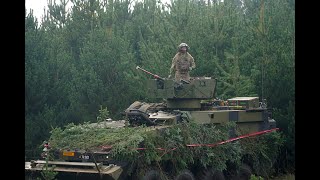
(281,177)
(285,177)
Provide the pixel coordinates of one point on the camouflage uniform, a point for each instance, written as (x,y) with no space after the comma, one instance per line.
(182,63)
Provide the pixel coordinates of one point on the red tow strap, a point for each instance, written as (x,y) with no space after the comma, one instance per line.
(210,145)
(233,139)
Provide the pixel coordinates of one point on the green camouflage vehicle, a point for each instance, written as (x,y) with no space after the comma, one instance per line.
(195,99)
(180,103)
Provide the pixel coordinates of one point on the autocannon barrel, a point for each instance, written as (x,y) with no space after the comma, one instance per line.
(154,75)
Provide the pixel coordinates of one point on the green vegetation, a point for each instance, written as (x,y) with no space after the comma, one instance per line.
(79,61)
(88,137)
(173,140)
(284,177)
(47,172)
(254,177)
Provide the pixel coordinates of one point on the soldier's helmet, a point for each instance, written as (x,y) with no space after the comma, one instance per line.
(183,45)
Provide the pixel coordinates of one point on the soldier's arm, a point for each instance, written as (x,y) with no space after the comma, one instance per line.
(193,64)
(173,66)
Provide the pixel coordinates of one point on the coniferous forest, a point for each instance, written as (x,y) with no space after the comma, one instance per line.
(82,58)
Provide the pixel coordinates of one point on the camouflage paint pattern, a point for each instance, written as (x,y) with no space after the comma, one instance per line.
(181,63)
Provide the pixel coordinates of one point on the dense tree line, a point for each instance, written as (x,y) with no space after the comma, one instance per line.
(80,60)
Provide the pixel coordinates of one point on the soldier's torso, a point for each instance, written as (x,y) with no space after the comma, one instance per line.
(182,63)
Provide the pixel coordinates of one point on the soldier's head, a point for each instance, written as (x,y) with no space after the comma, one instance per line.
(183,47)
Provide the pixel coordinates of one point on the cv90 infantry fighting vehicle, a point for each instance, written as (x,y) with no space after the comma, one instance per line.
(183,102)
(195,99)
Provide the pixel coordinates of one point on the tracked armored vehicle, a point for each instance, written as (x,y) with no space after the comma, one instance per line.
(177,103)
(195,99)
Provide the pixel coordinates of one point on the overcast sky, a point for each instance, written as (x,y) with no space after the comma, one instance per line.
(37,6)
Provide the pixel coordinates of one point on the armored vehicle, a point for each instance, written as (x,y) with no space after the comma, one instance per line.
(177,103)
(195,99)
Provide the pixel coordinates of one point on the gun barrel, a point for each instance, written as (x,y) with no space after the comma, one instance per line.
(154,75)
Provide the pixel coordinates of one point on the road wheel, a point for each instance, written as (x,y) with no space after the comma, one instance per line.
(211,174)
(185,175)
(154,175)
(245,172)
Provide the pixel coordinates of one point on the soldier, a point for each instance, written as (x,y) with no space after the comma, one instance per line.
(182,63)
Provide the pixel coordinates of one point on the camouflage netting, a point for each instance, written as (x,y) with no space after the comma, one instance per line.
(263,151)
(173,141)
